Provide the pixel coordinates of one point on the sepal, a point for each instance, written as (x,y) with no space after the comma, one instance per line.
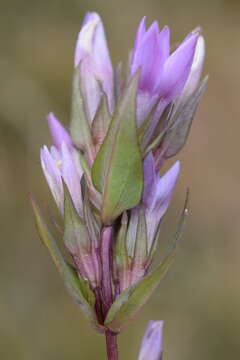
(181,121)
(101,122)
(130,301)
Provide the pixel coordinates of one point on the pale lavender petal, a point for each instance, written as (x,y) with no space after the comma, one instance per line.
(150,178)
(92,48)
(177,69)
(159,200)
(196,69)
(71,177)
(86,35)
(53,176)
(145,103)
(58,132)
(89,16)
(152,342)
(90,86)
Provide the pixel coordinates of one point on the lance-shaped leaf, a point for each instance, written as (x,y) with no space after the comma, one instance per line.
(79,126)
(78,288)
(117,171)
(130,301)
(178,133)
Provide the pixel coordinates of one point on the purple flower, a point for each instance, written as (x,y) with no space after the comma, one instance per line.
(93,57)
(121,131)
(163,74)
(158,191)
(151,346)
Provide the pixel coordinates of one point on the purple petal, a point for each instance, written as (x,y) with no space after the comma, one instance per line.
(140,32)
(151,346)
(164,42)
(71,177)
(148,57)
(159,199)
(53,176)
(176,69)
(58,132)
(150,178)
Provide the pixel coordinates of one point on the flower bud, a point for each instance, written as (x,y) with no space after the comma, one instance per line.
(92,55)
(151,346)
(59,166)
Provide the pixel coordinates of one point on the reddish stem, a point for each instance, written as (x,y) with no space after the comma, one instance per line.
(111,344)
(107,290)
(106,238)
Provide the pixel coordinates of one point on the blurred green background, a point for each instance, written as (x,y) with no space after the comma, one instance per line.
(199,299)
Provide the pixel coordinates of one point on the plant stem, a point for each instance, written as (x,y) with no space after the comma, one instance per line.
(106,239)
(111,345)
(107,289)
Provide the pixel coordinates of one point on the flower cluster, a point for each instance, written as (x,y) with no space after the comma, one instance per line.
(105,172)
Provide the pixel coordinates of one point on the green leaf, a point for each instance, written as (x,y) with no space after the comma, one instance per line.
(117,171)
(76,236)
(130,301)
(79,126)
(177,135)
(78,288)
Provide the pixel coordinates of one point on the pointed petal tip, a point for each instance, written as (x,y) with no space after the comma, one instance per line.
(173,172)
(58,132)
(151,346)
(85,37)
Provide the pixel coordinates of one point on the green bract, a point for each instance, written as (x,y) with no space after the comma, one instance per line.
(117,171)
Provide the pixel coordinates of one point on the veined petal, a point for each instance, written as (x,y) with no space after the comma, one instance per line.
(151,346)
(177,69)
(58,132)
(71,178)
(196,69)
(53,176)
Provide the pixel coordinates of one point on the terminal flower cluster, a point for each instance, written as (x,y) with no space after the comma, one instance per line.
(105,171)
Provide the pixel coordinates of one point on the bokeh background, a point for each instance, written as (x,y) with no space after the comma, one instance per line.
(199,299)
